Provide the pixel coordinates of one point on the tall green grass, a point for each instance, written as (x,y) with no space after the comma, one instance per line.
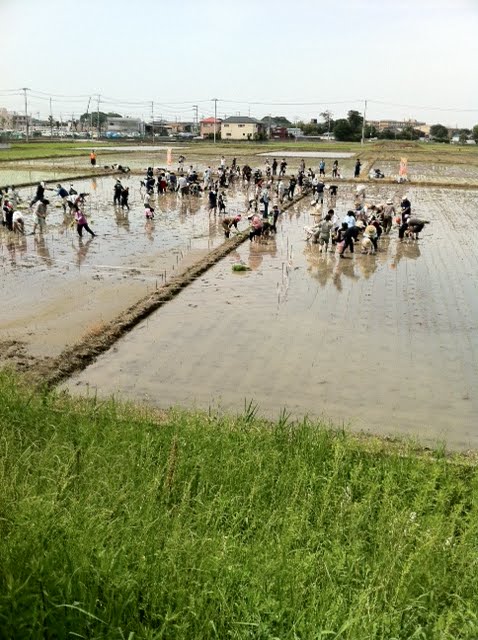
(118,523)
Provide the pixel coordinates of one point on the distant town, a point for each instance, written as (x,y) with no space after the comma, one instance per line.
(112,125)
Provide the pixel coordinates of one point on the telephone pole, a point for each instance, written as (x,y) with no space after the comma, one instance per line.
(215,118)
(363,121)
(25,89)
(196,118)
(152,119)
(51,121)
(98,117)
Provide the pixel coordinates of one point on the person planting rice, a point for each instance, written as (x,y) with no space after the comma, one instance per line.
(275,215)
(406,212)
(387,216)
(229,222)
(62,193)
(322,235)
(18,224)
(81,222)
(39,215)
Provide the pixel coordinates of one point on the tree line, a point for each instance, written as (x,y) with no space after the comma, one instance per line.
(349,129)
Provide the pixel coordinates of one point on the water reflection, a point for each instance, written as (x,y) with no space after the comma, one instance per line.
(257,251)
(122,219)
(328,266)
(42,249)
(81,250)
(410,250)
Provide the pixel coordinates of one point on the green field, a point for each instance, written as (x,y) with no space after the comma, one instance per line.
(116,522)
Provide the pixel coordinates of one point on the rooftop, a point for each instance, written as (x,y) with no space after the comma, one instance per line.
(242,120)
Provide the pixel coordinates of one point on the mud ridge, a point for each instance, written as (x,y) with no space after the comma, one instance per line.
(52,371)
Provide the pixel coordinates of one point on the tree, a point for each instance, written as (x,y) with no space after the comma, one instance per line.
(276,121)
(475,133)
(309,128)
(327,116)
(387,134)
(439,133)
(409,133)
(93,118)
(343,130)
(370,131)
(355,121)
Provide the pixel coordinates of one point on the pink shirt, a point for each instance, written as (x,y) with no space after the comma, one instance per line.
(80,217)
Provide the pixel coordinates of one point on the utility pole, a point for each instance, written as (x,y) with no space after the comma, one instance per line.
(87,112)
(196,118)
(363,121)
(152,119)
(25,89)
(215,118)
(51,121)
(98,117)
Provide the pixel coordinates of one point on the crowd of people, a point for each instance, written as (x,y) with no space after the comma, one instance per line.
(72,204)
(266,191)
(364,225)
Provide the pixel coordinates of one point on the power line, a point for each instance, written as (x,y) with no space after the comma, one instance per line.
(414,106)
(43,95)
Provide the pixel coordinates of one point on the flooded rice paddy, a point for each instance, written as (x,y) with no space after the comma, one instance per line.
(13,175)
(384,343)
(437,172)
(56,287)
(309,154)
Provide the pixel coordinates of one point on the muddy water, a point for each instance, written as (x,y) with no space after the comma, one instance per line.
(55,287)
(157,158)
(19,176)
(308,154)
(387,344)
(438,172)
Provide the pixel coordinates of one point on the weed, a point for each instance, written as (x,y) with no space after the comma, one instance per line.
(119,522)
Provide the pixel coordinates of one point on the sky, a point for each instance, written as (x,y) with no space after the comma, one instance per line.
(407,58)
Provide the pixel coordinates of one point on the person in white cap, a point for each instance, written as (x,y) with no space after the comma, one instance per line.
(39,193)
(387,216)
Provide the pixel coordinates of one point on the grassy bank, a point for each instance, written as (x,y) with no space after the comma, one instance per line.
(56,149)
(119,523)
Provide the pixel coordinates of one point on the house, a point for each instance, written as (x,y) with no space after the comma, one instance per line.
(242,128)
(208,125)
(295,132)
(279,133)
(20,121)
(176,127)
(399,125)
